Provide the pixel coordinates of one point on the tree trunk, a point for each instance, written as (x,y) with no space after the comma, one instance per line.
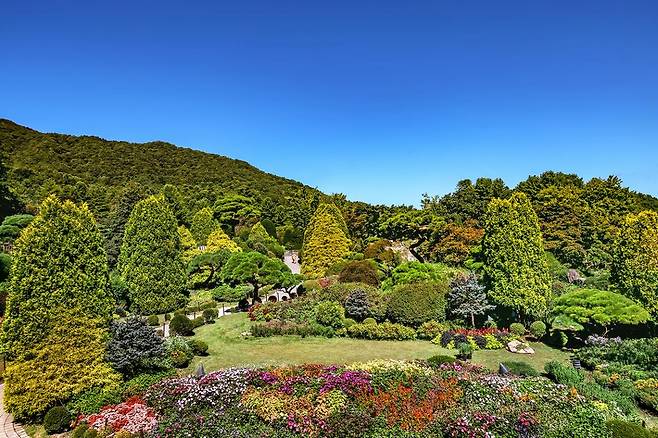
(255,295)
(473,319)
(412,250)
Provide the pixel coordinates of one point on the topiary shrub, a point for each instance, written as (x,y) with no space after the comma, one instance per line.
(356,305)
(522,369)
(538,329)
(181,325)
(153,320)
(516,328)
(179,350)
(198,322)
(57,420)
(437,360)
(209,315)
(349,322)
(199,347)
(330,314)
(369,321)
(416,303)
(79,431)
(359,271)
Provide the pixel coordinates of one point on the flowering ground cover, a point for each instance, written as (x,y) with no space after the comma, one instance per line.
(382,398)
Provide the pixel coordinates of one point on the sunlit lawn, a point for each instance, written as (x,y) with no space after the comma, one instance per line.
(228,348)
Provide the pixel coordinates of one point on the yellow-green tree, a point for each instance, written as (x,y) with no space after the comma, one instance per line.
(515,266)
(635,263)
(203,223)
(188,244)
(58,309)
(325,241)
(151,261)
(218,240)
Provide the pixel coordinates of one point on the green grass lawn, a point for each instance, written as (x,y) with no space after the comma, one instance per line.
(228,348)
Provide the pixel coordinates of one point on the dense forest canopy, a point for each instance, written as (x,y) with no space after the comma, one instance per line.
(579,219)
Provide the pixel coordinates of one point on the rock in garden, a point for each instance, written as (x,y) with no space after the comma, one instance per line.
(520,347)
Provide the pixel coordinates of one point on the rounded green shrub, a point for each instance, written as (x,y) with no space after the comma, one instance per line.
(180,351)
(416,303)
(209,315)
(198,322)
(349,322)
(153,320)
(330,314)
(370,321)
(79,431)
(516,328)
(359,271)
(199,347)
(181,325)
(538,329)
(57,420)
(431,329)
(439,359)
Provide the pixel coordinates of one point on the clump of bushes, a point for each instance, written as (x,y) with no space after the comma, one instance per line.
(282,328)
(478,339)
(359,271)
(356,305)
(431,329)
(415,303)
(57,420)
(518,329)
(383,331)
(538,329)
(209,315)
(330,314)
(181,325)
(199,347)
(179,350)
(437,360)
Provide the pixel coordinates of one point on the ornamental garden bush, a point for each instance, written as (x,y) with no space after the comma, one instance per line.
(383,331)
(478,339)
(57,420)
(181,325)
(416,303)
(330,314)
(538,329)
(518,329)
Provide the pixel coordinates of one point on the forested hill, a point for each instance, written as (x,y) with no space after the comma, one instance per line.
(39,159)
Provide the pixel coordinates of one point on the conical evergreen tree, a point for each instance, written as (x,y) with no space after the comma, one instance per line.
(203,223)
(635,265)
(515,266)
(325,241)
(58,263)
(58,310)
(151,260)
(218,240)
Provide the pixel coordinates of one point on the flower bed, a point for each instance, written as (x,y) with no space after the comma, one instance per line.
(374,399)
(478,339)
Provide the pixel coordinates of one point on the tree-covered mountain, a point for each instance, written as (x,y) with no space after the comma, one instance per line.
(41,163)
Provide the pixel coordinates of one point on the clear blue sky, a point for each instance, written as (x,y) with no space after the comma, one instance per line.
(379,100)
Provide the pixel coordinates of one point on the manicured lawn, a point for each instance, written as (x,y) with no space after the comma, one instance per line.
(228,348)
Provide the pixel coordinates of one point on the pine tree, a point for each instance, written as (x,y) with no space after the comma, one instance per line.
(203,223)
(151,261)
(635,265)
(515,266)
(325,241)
(58,263)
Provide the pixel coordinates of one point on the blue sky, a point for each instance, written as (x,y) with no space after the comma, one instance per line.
(379,100)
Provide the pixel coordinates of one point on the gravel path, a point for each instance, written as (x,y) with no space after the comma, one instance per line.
(9,428)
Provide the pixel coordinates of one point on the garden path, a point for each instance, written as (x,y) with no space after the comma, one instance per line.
(9,429)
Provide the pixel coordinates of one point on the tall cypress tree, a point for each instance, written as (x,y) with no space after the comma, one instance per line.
(325,241)
(635,265)
(58,310)
(203,224)
(58,262)
(151,260)
(515,266)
